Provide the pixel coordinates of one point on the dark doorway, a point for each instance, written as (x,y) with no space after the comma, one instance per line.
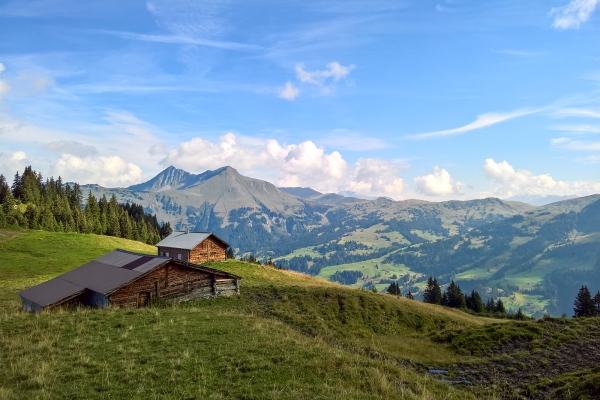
(143,299)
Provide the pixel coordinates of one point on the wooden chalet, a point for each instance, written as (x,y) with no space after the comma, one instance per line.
(125,279)
(194,247)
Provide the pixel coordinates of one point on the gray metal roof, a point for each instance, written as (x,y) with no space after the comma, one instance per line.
(101,275)
(186,240)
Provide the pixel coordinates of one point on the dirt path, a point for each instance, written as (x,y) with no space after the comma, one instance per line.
(511,375)
(6,235)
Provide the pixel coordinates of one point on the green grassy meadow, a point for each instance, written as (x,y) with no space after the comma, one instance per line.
(286,336)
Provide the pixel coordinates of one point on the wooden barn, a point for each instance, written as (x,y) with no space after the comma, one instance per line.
(194,247)
(123,278)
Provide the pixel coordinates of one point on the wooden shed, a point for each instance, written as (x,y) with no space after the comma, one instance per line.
(194,247)
(123,278)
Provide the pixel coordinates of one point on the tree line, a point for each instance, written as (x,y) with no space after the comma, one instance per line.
(51,205)
(453,297)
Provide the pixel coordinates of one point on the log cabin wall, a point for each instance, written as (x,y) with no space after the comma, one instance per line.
(174,283)
(174,253)
(208,250)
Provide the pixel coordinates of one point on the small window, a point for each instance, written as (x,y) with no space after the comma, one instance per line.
(167,254)
(179,256)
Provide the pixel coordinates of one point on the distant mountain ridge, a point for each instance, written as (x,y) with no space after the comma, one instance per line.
(497,246)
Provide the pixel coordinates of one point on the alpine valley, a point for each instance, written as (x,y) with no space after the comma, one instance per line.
(532,257)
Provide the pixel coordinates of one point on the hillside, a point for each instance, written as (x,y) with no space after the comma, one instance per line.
(285,336)
(533,258)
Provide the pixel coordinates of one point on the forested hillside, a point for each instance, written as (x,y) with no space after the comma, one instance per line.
(52,205)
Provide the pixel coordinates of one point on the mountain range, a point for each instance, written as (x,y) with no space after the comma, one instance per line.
(533,257)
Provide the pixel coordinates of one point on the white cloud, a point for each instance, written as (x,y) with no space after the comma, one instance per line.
(105,171)
(482,121)
(577,145)
(577,129)
(334,70)
(4,87)
(439,183)
(18,156)
(509,182)
(515,52)
(302,164)
(71,147)
(577,112)
(289,92)
(573,14)
(376,177)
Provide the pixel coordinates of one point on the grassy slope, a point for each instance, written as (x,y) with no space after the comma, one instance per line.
(285,336)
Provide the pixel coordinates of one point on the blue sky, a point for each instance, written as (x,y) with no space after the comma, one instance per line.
(449,99)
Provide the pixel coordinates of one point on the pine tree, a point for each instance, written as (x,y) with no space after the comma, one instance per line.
(455,297)
(229,255)
(433,292)
(597,301)
(474,302)
(490,307)
(520,314)
(409,295)
(394,289)
(584,304)
(500,307)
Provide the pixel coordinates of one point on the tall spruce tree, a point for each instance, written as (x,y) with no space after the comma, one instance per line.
(409,295)
(597,301)
(584,304)
(454,297)
(474,302)
(500,307)
(490,306)
(433,292)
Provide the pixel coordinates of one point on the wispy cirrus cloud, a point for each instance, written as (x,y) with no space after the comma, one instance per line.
(577,129)
(482,121)
(576,112)
(182,39)
(573,14)
(567,143)
(513,52)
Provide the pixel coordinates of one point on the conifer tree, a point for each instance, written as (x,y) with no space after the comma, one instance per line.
(394,289)
(409,295)
(520,314)
(474,302)
(229,254)
(490,307)
(455,297)
(500,307)
(433,292)
(597,302)
(584,304)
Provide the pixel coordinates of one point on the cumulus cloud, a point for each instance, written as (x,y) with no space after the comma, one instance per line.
(302,164)
(481,122)
(509,182)
(438,183)
(289,91)
(13,162)
(71,147)
(573,14)
(105,171)
(376,177)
